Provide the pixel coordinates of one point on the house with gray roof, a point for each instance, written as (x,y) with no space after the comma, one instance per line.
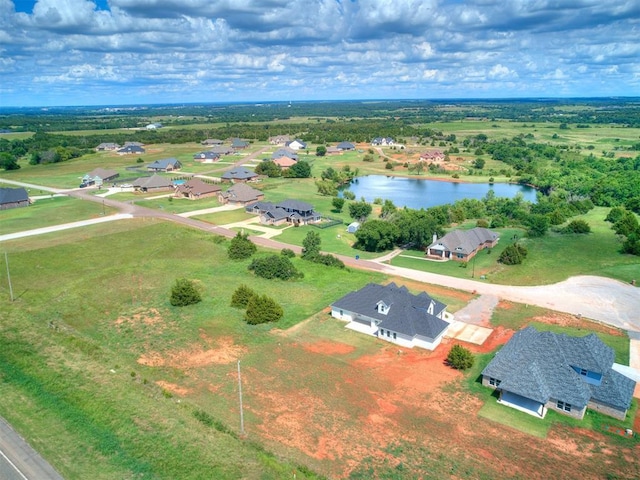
(346,146)
(286,211)
(239,144)
(296,144)
(165,165)
(462,245)
(212,141)
(240,194)
(208,156)
(154,183)
(131,150)
(107,147)
(103,174)
(239,174)
(394,314)
(221,150)
(284,152)
(537,371)
(13,198)
(382,142)
(195,189)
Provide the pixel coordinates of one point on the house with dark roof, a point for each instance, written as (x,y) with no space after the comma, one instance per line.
(239,174)
(537,371)
(239,144)
(462,245)
(195,189)
(206,157)
(286,211)
(382,142)
(165,165)
(222,150)
(346,146)
(154,183)
(211,141)
(131,150)
(13,198)
(394,314)
(107,147)
(285,152)
(240,194)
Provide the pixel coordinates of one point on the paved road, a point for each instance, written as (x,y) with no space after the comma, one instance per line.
(18,461)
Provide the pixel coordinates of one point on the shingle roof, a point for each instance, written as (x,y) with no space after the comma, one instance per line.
(240,173)
(538,365)
(407,314)
(154,181)
(195,186)
(102,173)
(465,241)
(241,192)
(12,195)
(345,146)
(296,205)
(164,163)
(284,152)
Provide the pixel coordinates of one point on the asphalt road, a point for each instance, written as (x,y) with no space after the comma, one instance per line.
(18,461)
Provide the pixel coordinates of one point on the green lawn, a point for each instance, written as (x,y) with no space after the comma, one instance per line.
(178,205)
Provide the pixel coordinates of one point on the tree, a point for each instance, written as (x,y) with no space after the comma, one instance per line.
(275,266)
(241,247)
(577,226)
(241,296)
(376,235)
(460,358)
(348,195)
(338,204)
(311,244)
(262,309)
(326,188)
(538,225)
(360,210)
(627,225)
(321,151)
(479,163)
(8,161)
(388,208)
(269,168)
(514,254)
(615,214)
(300,169)
(184,292)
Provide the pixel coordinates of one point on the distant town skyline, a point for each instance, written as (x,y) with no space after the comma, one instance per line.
(124,52)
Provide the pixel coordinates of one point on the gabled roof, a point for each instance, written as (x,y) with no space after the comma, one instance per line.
(465,241)
(208,155)
(540,366)
(131,149)
(102,173)
(164,163)
(222,150)
(241,192)
(285,162)
(13,195)
(295,205)
(284,152)
(346,146)
(407,314)
(154,181)
(212,141)
(239,143)
(195,186)
(239,173)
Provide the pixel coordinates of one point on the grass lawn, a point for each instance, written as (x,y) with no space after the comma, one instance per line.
(178,205)
(47,212)
(225,217)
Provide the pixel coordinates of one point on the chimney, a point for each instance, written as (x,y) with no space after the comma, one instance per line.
(435,237)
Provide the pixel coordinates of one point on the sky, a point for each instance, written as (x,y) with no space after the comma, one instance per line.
(120,52)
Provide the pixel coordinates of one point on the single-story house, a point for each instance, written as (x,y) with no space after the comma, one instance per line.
(240,194)
(153,126)
(285,152)
(165,165)
(382,142)
(279,140)
(13,198)
(286,211)
(154,183)
(333,151)
(346,146)
(434,156)
(211,141)
(536,371)
(353,227)
(222,150)
(107,147)
(239,144)
(133,144)
(284,162)
(195,189)
(462,245)
(239,174)
(394,314)
(296,144)
(131,150)
(102,174)
(206,157)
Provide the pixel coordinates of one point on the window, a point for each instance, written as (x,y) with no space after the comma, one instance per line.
(394,335)
(382,332)
(583,372)
(388,333)
(494,381)
(341,313)
(563,406)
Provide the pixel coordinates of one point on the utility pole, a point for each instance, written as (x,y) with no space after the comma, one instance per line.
(6,260)
(240,396)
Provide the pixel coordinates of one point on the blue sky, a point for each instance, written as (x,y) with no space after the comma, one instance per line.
(83,52)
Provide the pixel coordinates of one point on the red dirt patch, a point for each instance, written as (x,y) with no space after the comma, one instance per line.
(149,316)
(196,356)
(329,348)
(173,388)
(567,320)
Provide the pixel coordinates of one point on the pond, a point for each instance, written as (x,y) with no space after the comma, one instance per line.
(421,193)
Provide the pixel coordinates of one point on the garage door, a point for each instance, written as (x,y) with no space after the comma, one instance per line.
(523,404)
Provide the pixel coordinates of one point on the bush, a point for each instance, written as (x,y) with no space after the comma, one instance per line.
(328,260)
(241,296)
(513,255)
(482,222)
(275,266)
(184,292)
(287,252)
(262,309)
(460,358)
(577,226)
(241,247)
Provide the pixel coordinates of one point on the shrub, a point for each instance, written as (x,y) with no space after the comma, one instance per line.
(184,292)
(287,252)
(241,247)
(338,204)
(275,266)
(577,226)
(241,296)
(514,254)
(460,358)
(482,222)
(262,309)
